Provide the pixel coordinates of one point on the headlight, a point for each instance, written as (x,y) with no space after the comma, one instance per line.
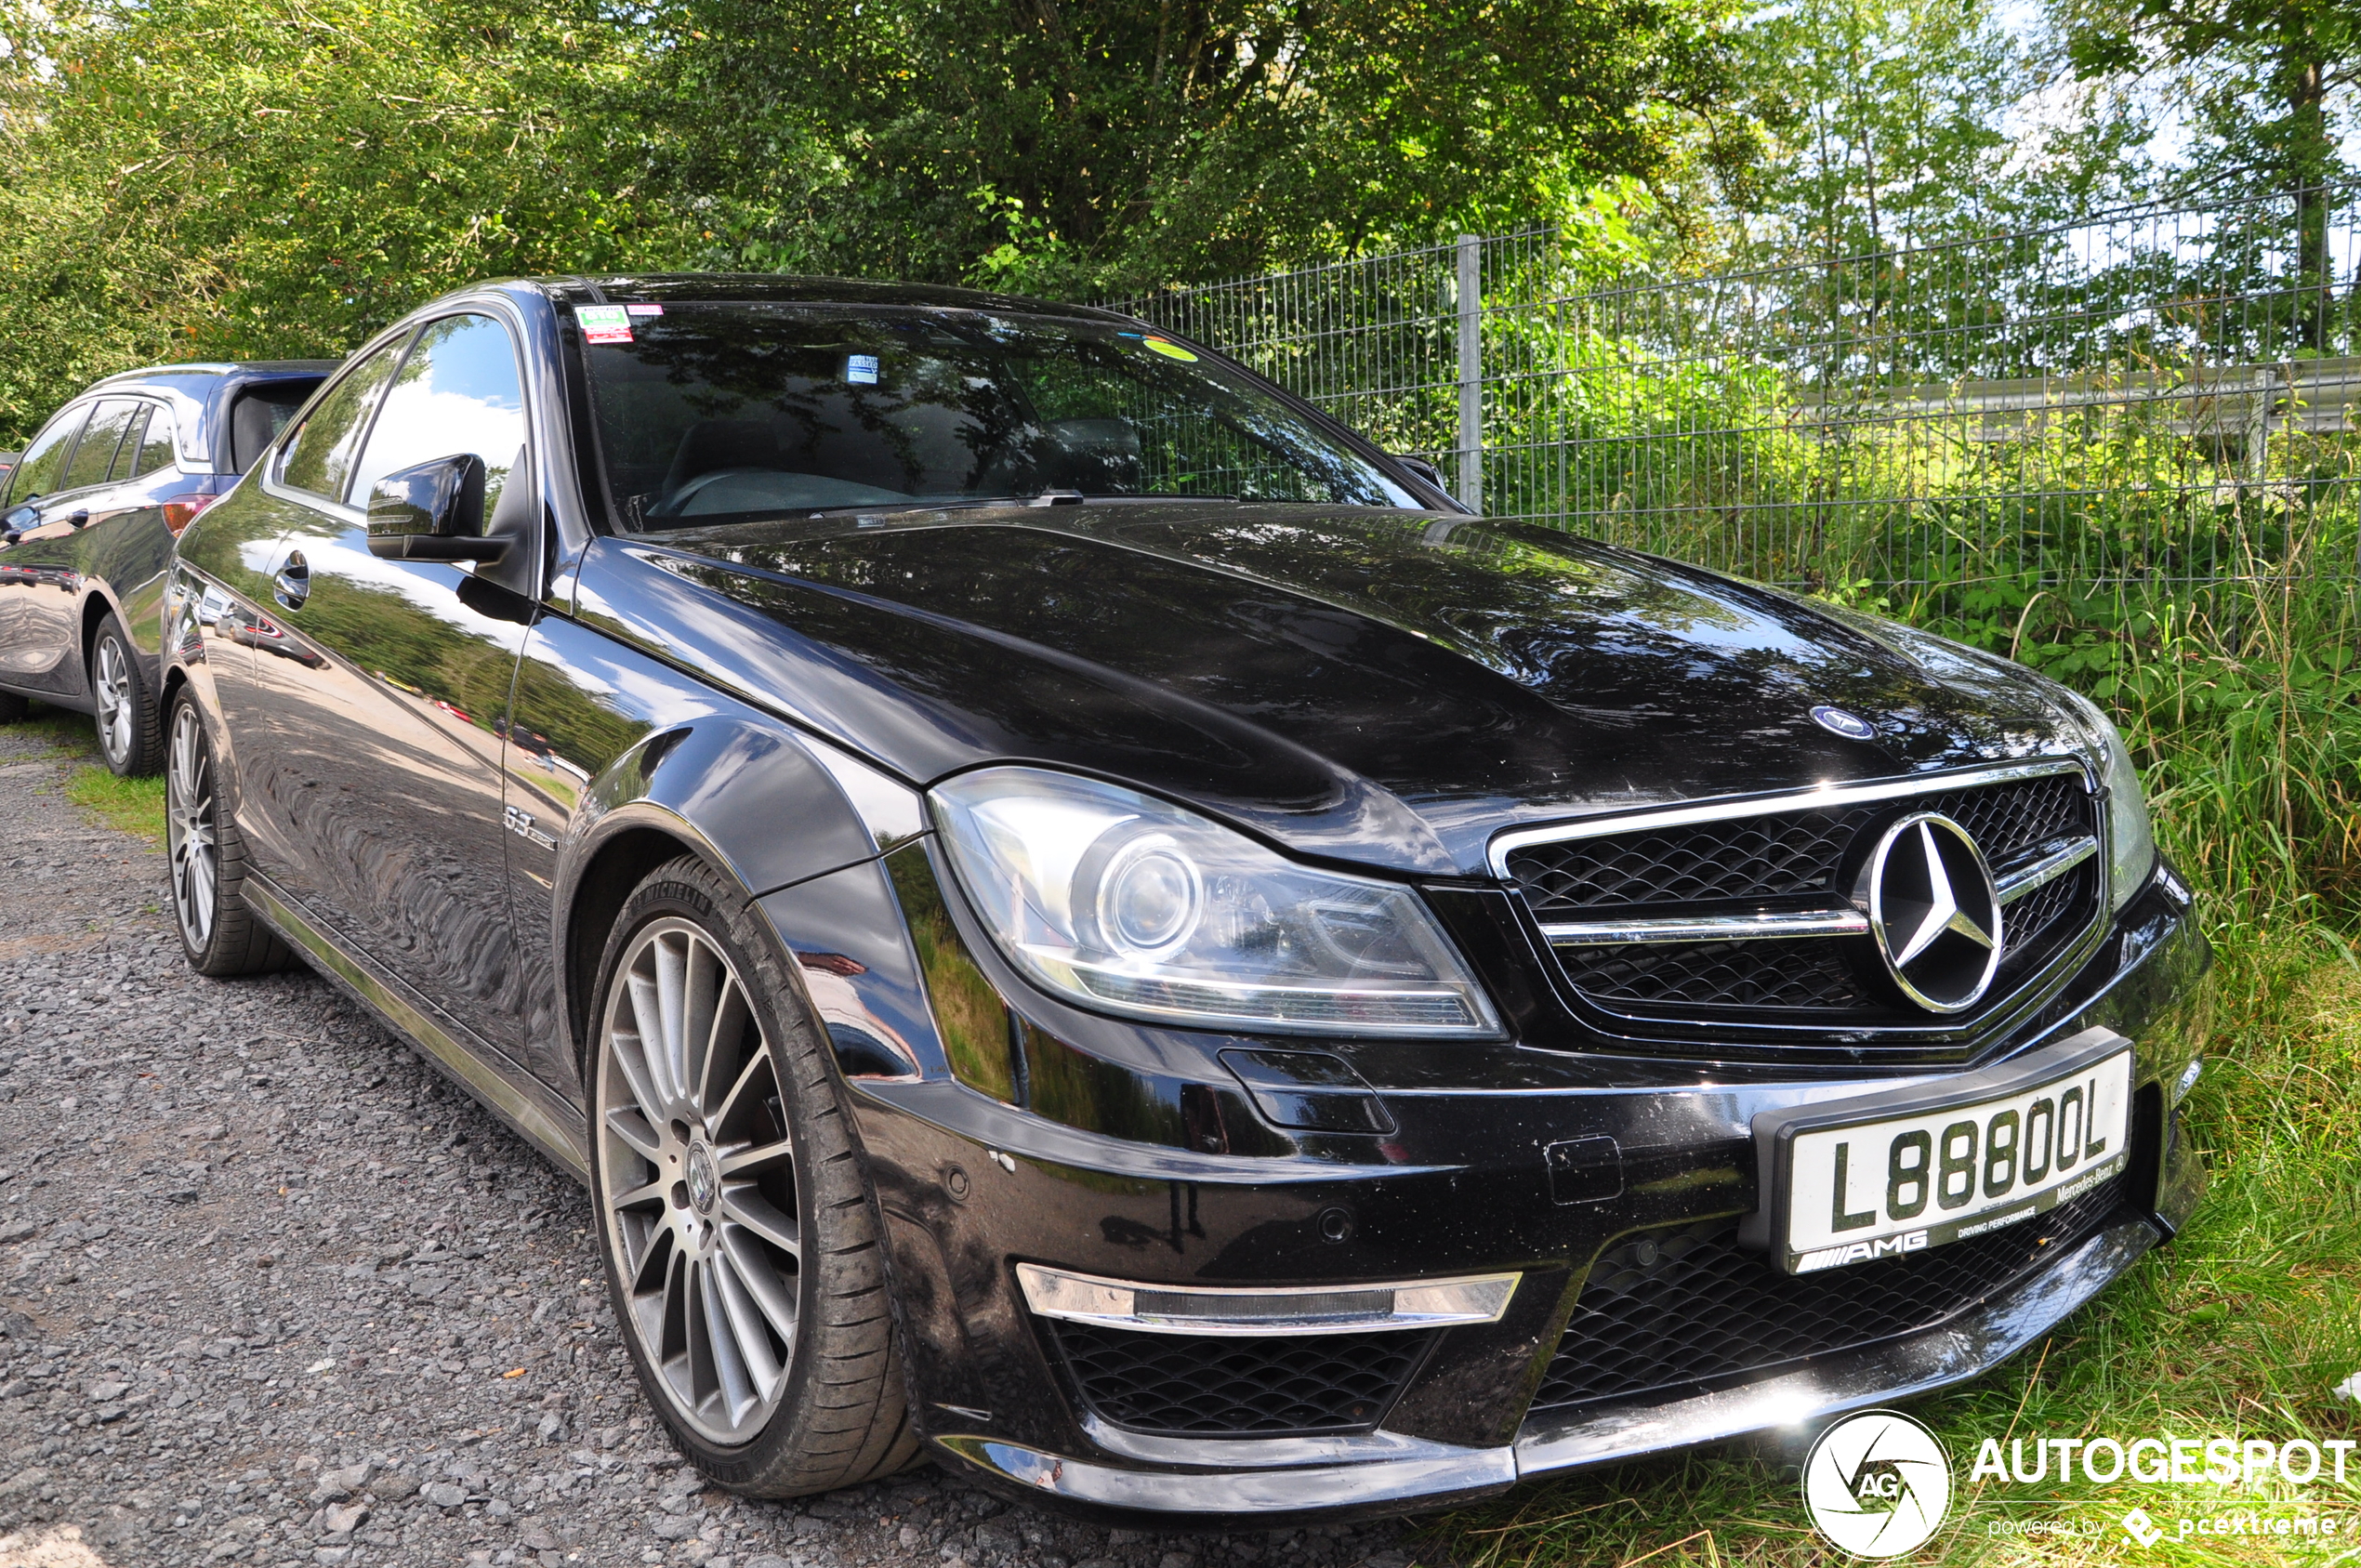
(2131,839)
(1131,905)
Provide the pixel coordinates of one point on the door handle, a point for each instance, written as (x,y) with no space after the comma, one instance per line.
(80,517)
(293,585)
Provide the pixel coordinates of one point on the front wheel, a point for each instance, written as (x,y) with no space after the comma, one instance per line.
(742,1252)
(219,934)
(129,737)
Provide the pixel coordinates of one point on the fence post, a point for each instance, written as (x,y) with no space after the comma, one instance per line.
(1471,372)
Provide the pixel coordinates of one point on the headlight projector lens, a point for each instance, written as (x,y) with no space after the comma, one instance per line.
(1150,896)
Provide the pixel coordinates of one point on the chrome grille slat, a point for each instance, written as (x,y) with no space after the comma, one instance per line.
(2054,860)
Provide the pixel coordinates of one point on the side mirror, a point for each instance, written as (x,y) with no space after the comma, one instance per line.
(432,512)
(1425,471)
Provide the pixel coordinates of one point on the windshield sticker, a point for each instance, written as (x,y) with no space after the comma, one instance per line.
(860,370)
(1171,350)
(644,310)
(603,323)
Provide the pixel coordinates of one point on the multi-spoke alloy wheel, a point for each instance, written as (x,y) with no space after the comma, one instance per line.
(698,1179)
(219,934)
(190,840)
(114,683)
(743,1252)
(121,703)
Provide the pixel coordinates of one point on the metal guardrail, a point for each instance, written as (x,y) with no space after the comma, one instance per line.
(2165,395)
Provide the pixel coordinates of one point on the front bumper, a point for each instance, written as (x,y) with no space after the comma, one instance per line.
(1384,1472)
(1133,1155)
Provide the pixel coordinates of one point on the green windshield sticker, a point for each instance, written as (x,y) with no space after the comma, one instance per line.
(1171,350)
(603,323)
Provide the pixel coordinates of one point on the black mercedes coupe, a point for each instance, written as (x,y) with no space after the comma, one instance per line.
(1077,919)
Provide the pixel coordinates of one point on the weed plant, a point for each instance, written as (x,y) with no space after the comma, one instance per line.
(133,806)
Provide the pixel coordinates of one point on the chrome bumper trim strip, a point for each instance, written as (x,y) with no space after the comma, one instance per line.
(1321,1309)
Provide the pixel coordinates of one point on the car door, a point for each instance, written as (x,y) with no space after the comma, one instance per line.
(48,555)
(113,535)
(376,756)
(222,601)
(38,474)
(131,547)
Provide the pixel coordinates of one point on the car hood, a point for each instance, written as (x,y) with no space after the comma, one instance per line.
(1379,687)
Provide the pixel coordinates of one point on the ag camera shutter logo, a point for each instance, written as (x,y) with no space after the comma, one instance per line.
(1876,1484)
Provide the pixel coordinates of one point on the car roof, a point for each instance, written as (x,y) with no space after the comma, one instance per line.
(198,390)
(755,288)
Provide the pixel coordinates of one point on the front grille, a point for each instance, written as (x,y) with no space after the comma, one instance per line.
(2044,921)
(1767,857)
(1727,974)
(1796,860)
(1780,855)
(1208,1385)
(1686,1308)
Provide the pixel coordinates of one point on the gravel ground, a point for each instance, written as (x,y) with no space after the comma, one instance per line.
(271,1291)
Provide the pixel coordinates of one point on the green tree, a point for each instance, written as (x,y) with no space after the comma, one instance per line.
(1897,123)
(1063,146)
(193,178)
(2267,79)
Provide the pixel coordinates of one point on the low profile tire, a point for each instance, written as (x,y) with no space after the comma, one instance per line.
(743,1254)
(130,735)
(220,934)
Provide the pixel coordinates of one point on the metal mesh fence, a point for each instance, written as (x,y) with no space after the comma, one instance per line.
(2162,396)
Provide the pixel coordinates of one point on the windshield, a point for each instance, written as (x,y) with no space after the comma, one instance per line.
(712,414)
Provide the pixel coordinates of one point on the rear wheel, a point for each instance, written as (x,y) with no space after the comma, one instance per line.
(130,737)
(742,1250)
(219,934)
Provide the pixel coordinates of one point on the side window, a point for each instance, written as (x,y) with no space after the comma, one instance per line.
(256,418)
(155,445)
(457,393)
(320,458)
(42,466)
(128,455)
(94,454)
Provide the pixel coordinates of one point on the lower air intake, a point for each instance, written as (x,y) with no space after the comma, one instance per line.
(1678,1309)
(1217,1386)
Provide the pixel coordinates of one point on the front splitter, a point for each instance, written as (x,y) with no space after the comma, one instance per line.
(1270,1483)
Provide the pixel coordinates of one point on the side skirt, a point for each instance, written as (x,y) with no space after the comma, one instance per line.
(537,1112)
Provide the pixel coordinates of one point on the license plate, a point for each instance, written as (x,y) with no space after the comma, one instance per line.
(1894,1173)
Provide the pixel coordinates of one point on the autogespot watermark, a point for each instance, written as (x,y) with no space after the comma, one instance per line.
(2165,1461)
(1878,1484)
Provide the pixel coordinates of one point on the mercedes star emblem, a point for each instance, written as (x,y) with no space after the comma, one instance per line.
(1852,726)
(1934,911)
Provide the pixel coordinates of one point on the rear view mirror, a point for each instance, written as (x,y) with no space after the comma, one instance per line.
(433,511)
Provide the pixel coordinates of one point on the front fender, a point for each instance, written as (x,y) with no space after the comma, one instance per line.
(764,803)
